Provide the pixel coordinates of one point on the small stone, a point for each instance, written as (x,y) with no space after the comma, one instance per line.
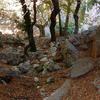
(45,59)
(38,87)
(15,68)
(50,80)
(44,72)
(53,67)
(35,65)
(13,74)
(24,67)
(42,92)
(36,79)
(97,83)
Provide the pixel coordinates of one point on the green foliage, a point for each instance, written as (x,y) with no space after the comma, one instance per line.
(70,28)
(90,4)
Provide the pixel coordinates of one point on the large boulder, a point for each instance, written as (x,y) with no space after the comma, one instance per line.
(81,67)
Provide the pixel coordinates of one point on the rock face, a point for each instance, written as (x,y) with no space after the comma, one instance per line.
(81,67)
(60,92)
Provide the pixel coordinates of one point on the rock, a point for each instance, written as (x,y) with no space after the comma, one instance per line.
(44,72)
(12,56)
(13,74)
(97,83)
(53,67)
(42,92)
(39,69)
(36,79)
(58,56)
(81,67)
(53,49)
(45,59)
(71,47)
(50,80)
(15,68)
(24,67)
(36,65)
(38,87)
(60,92)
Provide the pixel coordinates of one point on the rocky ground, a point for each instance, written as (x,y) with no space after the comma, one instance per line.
(57,71)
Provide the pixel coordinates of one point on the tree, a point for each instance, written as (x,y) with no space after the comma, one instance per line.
(29,25)
(43,17)
(76,16)
(60,25)
(67,16)
(54,13)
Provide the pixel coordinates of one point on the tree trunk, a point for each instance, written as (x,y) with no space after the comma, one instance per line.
(42,32)
(67,19)
(53,19)
(29,26)
(76,16)
(60,26)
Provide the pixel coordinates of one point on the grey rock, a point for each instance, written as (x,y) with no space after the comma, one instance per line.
(24,67)
(14,74)
(81,67)
(44,72)
(36,65)
(53,67)
(39,69)
(60,92)
(74,51)
(45,59)
(12,56)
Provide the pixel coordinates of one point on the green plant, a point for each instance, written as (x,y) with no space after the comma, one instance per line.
(70,28)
